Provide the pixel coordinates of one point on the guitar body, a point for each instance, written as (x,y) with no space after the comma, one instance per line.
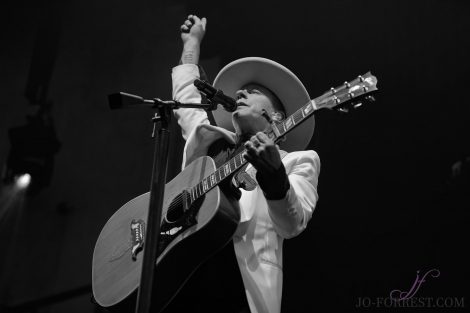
(189,237)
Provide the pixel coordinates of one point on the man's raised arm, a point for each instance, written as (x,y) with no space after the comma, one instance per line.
(183,75)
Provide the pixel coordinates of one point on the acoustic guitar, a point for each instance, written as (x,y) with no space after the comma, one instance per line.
(197,218)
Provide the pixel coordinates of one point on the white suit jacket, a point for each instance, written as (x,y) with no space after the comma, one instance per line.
(264,223)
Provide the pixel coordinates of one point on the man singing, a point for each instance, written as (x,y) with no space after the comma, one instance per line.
(280,183)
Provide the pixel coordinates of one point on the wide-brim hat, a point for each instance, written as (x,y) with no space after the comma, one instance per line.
(278,79)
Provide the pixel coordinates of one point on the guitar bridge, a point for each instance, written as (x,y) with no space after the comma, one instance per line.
(137,237)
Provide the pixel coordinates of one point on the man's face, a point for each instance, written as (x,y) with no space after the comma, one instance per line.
(252,101)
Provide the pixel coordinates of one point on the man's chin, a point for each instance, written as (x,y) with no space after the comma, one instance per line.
(236,115)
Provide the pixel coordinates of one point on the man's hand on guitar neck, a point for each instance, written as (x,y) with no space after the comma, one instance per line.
(271,175)
(192,33)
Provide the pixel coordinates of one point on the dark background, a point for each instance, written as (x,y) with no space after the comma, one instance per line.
(389,205)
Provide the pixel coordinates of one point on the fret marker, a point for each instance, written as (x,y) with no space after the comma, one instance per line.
(276,132)
(240,158)
(212,179)
(289,122)
(308,108)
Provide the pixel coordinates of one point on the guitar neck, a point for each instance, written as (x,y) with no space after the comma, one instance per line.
(336,98)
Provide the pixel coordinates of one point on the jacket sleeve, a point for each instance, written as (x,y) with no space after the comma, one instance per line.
(184,90)
(291,214)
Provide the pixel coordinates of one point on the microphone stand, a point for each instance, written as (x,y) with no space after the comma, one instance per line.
(161,134)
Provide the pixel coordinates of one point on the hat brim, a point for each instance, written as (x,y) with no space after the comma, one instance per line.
(277,78)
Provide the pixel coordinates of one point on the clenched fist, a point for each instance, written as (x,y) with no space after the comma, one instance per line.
(193,29)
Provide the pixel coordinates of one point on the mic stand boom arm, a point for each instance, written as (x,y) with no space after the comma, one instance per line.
(123,100)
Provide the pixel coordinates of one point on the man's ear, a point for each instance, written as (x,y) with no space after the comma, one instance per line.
(277,116)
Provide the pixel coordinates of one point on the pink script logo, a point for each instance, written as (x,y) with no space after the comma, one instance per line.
(403,295)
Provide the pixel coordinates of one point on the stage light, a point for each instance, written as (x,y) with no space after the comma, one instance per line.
(23,181)
(32,151)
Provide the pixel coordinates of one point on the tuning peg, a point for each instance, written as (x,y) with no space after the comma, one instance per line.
(356,105)
(343,110)
(370,98)
(361,79)
(347,84)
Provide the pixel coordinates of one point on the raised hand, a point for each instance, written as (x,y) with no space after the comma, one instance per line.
(193,29)
(192,32)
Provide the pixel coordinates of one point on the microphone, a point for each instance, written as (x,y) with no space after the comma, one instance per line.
(216,95)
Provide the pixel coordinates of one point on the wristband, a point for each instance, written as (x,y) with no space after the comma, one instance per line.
(274,185)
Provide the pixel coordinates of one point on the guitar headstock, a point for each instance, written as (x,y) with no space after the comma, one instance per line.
(349,95)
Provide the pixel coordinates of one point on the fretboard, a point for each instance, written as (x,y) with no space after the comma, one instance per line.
(349,93)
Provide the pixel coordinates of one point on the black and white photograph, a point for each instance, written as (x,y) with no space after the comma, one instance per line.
(234,156)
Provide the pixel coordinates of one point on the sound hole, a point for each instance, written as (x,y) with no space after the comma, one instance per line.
(176,210)
(178,219)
